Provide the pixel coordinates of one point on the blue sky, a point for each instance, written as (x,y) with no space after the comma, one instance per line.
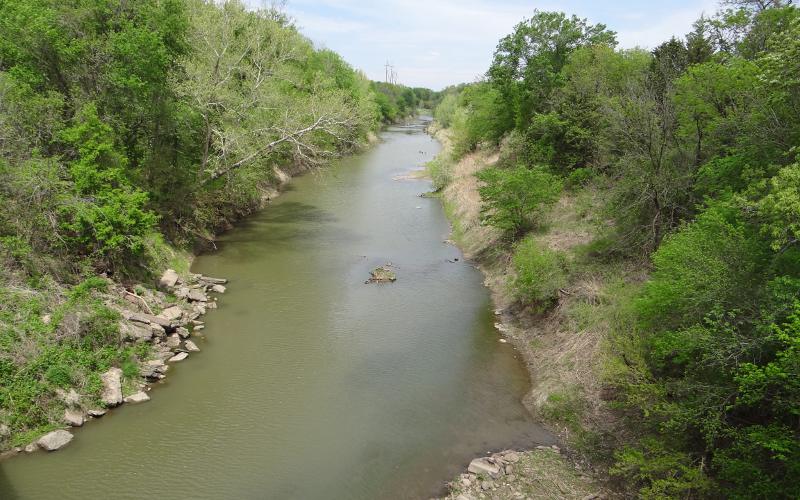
(435,43)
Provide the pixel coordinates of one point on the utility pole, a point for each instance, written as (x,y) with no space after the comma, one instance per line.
(390,75)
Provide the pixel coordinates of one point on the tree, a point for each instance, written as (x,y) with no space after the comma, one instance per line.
(514,200)
(527,62)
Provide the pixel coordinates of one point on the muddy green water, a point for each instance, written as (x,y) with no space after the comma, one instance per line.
(311,384)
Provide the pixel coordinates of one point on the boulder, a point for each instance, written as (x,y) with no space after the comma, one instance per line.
(183,333)
(511,457)
(71,398)
(191,346)
(168,279)
(31,447)
(97,412)
(483,466)
(73,418)
(5,431)
(146,319)
(218,288)
(139,397)
(182,292)
(112,387)
(135,333)
(153,369)
(197,295)
(171,313)
(173,341)
(55,440)
(179,357)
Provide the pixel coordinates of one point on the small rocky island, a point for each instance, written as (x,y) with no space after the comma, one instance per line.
(382,274)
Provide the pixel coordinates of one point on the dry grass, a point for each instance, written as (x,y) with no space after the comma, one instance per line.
(565,349)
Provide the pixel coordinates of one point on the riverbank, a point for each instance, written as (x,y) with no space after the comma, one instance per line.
(564,348)
(147,327)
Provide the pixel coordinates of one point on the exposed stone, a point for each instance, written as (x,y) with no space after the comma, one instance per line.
(73,417)
(218,288)
(97,412)
(191,346)
(5,431)
(171,313)
(197,295)
(211,305)
(112,387)
(71,398)
(31,447)
(146,319)
(179,357)
(182,292)
(487,485)
(139,397)
(197,328)
(55,440)
(158,330)
(512,457)
(173,341)
(213,281)
(183,333)
(154,368)
(169,278)
(46,319)
(483,466)
(135,333)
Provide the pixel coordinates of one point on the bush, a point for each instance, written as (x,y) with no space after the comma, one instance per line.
(579,177)
(711,264)
(539,274)
(515,200)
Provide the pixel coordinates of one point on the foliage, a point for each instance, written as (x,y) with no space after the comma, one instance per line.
(696,144)
(539,273)
(514,200)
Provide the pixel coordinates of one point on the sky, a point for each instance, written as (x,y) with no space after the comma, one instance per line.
(435,43)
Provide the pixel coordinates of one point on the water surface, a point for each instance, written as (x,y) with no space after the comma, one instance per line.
(310,383)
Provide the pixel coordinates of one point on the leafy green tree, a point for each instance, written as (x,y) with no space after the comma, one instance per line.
(527,63)
(514,200)
(108,217)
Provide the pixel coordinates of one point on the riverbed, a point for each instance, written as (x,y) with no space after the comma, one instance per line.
(310,383)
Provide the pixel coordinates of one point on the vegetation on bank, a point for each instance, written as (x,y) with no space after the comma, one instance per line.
(678,168)
(128,130)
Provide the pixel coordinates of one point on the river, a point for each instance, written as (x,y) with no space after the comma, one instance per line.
(310,383)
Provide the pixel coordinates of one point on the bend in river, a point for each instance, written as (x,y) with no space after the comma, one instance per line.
(310,383)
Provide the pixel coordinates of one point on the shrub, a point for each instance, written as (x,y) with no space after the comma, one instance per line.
(538,273)
(515,200)
(579,177)
(712,263)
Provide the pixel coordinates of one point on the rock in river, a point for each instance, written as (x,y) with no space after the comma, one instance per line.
(191,346)
(112,387)
(55,440)
(139,397)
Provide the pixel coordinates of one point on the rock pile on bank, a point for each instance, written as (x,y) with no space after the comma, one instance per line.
(539,473)
(166,318)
